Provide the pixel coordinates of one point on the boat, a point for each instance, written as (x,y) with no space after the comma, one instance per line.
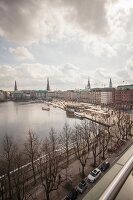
(79,115)
(47,109)
(70,110)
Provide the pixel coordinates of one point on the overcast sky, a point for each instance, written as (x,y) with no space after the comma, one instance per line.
(67,41)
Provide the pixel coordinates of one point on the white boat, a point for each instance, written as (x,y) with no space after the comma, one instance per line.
(77,114)
(70,110)
(47,109)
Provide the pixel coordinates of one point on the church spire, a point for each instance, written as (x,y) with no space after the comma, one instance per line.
(89,85)
(15,87)
(110,83)
(48,86)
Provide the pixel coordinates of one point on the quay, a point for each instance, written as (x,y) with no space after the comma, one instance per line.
(85,111)
(103,186)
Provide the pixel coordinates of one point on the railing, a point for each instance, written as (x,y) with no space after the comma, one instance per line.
(115,186)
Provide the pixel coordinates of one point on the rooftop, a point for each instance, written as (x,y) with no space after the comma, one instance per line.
(125,87)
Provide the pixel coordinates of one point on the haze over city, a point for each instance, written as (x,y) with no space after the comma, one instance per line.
(67,41)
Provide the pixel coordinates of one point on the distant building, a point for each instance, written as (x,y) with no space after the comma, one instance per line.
(17,95)
(124,95)
(106,97)
(3,96)
(88,87)
(48,86)
(125,87)
(110,83)
(15,87)
(40,94)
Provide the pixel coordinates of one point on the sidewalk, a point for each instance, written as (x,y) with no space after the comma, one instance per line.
(74,174)
(100,187)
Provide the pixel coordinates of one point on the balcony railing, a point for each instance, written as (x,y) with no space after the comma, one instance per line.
(113,189)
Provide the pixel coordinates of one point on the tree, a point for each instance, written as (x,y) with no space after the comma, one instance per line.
(19,176)
(8,152)
(94,129)
(85,129)
(79,145)
(65,141)
(31,150)
(49,165)
(104,139)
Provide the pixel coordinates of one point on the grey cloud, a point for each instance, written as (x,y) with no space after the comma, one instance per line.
(89,15)
(22,20)
(17,19)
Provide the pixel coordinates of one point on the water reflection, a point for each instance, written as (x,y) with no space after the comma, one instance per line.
(16,119)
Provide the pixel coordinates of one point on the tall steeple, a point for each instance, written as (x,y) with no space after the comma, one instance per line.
(89,85)
(110,83)
(48,86)
(15,87)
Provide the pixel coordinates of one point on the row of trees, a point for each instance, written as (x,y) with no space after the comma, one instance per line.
(47,158)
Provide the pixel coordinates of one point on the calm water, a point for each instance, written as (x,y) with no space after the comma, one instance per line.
(16,119)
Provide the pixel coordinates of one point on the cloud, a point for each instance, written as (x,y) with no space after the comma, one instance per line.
(89,15)
(21,53)
(66,76)
(123,74)
(126,75)
(130,64)
(30,21)
(33,76)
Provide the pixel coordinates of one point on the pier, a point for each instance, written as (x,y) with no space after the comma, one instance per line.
(85,111)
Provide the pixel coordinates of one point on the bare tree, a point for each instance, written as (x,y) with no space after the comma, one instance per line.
(123,125)
(65,141)
(49,166)
(128,125)
(94,141)
(3,182)
(79,145)
(8,151)
(86,134)
(31,150)
(19,176)
(104,138)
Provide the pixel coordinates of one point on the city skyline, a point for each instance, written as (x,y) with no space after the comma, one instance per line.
(65,42)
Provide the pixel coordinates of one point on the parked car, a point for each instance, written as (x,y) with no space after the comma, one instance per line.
(81,187)
(94,175)
(72,195)
(104,166)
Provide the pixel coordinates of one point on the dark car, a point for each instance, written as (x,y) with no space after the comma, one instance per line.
(81,187)
(72,195)
(104,166)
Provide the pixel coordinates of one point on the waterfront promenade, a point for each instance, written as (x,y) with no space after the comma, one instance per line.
(104,182)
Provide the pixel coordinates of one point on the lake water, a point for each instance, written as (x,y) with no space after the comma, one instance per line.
(16,119)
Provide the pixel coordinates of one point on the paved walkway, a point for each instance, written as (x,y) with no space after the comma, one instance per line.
(103,183)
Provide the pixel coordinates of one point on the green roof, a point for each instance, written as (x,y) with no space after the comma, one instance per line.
(125,87)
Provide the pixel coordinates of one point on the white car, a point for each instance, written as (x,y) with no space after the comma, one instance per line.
(94,175)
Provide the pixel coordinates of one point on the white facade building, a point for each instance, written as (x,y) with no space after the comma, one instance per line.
(106,97)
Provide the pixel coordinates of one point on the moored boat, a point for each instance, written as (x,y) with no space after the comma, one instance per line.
(47,109)
(79,115)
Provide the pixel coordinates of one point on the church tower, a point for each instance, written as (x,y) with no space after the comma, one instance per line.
(48,86)
(88,87)
(110,83)
(15,87)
